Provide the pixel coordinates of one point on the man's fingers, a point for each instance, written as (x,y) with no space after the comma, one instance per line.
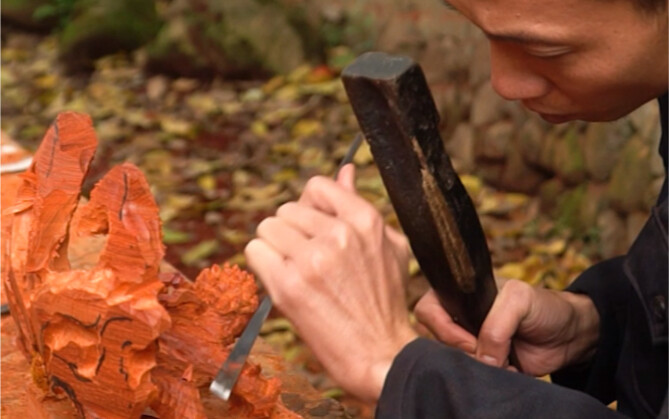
(263,260)
(430,313)
(271,268)
(337,198)
(507,312)
(311,222)
(319,187)
(283,237)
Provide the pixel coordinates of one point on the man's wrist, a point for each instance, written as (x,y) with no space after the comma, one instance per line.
(378,371)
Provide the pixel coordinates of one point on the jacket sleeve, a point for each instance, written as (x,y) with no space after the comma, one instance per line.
(606,285)
(430,380)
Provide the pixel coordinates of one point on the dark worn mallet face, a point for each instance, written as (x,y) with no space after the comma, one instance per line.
(396,112)
(378,66)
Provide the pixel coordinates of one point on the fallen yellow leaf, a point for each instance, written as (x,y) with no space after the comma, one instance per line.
(207,183)
(201,251)
(364,155)
(306,128)
(273,84)
(511,270)
(178,127)
(299,74)
(473,184)
(554,247)
(287,93)
(234,236)
(259,128)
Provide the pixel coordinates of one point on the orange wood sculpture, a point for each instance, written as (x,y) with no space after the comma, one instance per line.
(113,333)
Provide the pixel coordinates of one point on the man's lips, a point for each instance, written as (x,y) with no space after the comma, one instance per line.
(535,108)
(549,116)
(556,119)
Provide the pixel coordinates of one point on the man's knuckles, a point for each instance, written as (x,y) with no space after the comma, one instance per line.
(367,218)
(288,210)
(340,236)
(320,260)
(494,338)
(515,290)
(425,311)
(267,227)
(318,187)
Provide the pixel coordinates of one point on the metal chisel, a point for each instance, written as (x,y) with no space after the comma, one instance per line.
(227,376)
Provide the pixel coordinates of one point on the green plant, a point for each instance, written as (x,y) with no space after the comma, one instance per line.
(62,10)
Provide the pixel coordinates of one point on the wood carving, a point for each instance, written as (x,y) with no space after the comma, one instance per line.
(112,332)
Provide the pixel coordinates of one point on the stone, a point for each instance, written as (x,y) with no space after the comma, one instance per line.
(486,107)
(172,52)
(250,34)
(547,152)
(156,87)
(460,147)
(634,223)
(238,38)
(612,234)
(491,172)
(22,13)
(518,176)
(549,192)
(530,141)
(400,36)
(652,192)
(514,111)
(512,175)
(646,121)
(568,162)
(601,147)
(106,27)
(568,210)
(493,143)
(453,103)
(593,204)
(479,68)
(656,165)
(437,58)
(630,176)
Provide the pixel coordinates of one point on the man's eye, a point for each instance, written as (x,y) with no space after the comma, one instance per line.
(547,52)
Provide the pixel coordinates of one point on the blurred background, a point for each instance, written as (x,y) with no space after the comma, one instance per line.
(229,106)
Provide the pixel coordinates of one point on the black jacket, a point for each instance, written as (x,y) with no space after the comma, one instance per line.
(430,380)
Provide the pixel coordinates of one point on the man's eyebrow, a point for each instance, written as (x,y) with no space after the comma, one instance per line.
(519,37)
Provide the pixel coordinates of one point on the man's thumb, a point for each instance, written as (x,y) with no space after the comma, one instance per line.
(346,177)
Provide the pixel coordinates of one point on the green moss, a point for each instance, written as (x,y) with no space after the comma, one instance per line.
(630,177)
(104,27)
(36,14)
(568,209)
(569,162)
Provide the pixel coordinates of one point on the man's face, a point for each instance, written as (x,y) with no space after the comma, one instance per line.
(593,60)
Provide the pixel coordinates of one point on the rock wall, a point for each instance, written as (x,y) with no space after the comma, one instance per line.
(595,178)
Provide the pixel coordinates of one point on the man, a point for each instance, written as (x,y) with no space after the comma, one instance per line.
(337,271)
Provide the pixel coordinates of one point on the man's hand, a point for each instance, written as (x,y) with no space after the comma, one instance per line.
(549,329)
(337,272)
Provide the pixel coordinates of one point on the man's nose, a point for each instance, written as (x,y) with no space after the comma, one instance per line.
(511,75)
